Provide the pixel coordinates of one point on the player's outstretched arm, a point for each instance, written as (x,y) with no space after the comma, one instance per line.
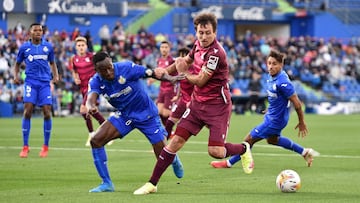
(303,131)
(162,74)
(91,103)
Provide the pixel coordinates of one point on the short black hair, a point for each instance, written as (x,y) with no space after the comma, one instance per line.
(183,51)
(36,24)
(100,56)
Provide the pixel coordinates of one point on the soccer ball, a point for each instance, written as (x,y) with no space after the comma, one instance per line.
(288,181)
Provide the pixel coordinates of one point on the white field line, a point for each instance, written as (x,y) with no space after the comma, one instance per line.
(110,149)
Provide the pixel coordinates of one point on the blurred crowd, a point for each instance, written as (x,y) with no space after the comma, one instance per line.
(311,60)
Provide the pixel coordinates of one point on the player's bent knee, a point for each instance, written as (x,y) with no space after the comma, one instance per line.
(216,152)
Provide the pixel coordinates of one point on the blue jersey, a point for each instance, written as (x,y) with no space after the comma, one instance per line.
(126,92)
(279,89)
(37,58)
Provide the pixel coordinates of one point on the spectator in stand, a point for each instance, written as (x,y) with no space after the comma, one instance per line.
(105,36)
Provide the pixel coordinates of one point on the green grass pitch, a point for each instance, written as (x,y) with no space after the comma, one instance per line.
(68,172)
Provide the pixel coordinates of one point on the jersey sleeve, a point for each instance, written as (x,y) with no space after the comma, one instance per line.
(51,53)
(286,88)
(94,85)
(20,55)
(134,71)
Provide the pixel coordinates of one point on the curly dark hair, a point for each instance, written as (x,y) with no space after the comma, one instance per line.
(205,18)
(100,56)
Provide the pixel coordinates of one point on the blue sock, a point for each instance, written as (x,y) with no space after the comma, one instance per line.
(290,145)
(26,125)
(233,159)
(47,131)
(100,158)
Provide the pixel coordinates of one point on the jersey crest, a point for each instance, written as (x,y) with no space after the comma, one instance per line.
(122,80)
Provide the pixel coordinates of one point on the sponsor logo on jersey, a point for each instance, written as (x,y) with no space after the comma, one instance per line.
(212,62)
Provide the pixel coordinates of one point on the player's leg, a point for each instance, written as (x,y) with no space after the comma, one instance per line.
(217,146)
(88,123)
(29,98)
(45,101)
(26,127)
(176,112)
(156,134)
(188,125)
(288,144)
(47,130)
(106,132)
(166,158)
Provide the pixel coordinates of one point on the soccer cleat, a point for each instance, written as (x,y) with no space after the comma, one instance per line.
(178,167)
(103,187)
(24,152)
(220,164)
(247,160)
(110,142)
(309,154)
(44,151)
(87,144)
(146,189)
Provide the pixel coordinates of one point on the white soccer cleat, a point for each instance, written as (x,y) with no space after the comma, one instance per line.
(309,155)
(110,142)
(146,189)
(87,144)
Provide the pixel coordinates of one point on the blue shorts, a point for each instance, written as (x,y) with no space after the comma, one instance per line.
(151,128)
(37,92)
(264,131)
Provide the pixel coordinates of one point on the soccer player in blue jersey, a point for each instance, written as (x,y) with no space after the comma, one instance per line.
(37,55)
(280,92)
(120,84)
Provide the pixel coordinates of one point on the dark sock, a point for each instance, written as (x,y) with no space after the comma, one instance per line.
(99,117)
(169,126)
(88,122)
(163,119)
(232,149)
(164,160)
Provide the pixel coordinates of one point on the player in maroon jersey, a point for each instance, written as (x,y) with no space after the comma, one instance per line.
(82,70)
(210,103)
(182,97)
(167,89)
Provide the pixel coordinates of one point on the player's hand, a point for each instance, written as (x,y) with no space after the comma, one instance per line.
(77,81)
(173,79)
(55,79)
(159,72)
(175,98)
(181,65)
(91,111)
(16,80)
(303,131)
